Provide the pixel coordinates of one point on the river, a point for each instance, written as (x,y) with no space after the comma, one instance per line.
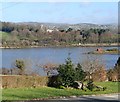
(40,56)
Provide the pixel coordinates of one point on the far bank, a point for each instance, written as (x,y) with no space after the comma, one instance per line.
(69,45)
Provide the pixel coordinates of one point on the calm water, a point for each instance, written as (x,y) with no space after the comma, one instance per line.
(38,56)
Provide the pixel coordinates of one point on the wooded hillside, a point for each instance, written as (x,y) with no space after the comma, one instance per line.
(38,34)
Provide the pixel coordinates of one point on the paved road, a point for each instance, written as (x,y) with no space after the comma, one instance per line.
(98,98)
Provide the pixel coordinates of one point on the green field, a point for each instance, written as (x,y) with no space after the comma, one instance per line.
(48,92)
(4,35)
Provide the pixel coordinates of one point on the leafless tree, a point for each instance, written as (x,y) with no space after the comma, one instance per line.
(90,65)
(49,68)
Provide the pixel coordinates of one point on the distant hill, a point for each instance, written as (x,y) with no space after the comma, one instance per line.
(66,26)
(74,26)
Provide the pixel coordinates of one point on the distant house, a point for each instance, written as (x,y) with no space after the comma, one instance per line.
(100,50)
(79,44)
(49,30)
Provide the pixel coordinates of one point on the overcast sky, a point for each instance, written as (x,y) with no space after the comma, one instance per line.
(69,12)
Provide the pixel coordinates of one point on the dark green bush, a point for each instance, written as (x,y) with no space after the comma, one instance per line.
(114,49)
(90,85)
(67,75)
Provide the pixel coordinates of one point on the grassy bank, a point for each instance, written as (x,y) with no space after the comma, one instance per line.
(47,92)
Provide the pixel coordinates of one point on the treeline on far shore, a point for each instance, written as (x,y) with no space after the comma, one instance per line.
(17,35)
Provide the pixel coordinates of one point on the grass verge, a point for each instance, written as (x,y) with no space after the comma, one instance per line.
(48,92)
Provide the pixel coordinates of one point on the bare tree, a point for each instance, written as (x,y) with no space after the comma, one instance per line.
(49,68)
(90,65)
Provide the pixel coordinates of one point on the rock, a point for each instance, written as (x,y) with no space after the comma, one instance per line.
(78,85)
